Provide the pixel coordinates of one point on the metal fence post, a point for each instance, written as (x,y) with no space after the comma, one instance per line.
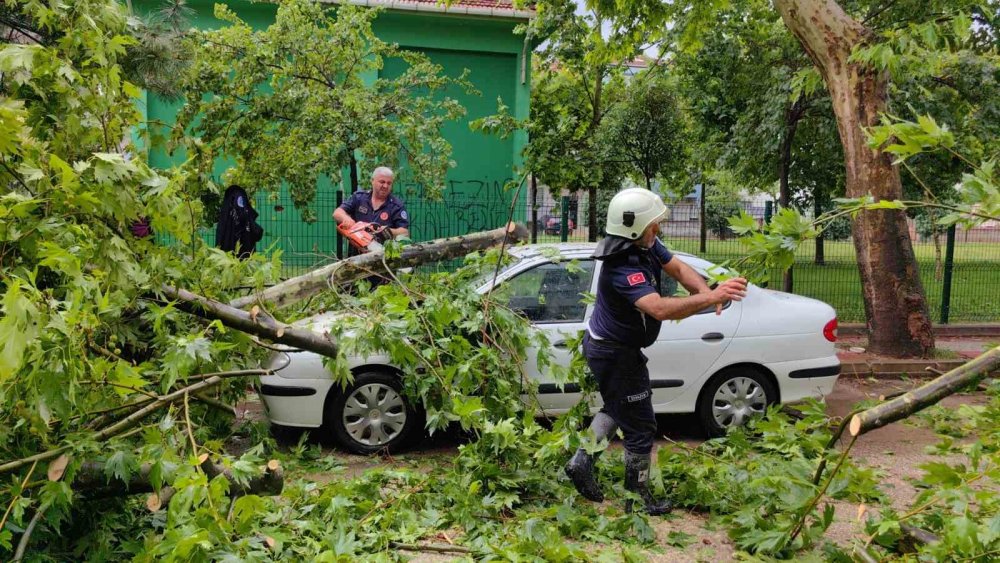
(534,209)
(702,224)
(949,264)
(340,240)
(564,227)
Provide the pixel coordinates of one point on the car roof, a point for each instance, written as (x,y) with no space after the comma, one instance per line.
(585,249)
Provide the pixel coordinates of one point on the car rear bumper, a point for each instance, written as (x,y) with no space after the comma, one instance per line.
(803,379)
(294,402)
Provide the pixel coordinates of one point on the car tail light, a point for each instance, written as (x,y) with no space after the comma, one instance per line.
(830,330)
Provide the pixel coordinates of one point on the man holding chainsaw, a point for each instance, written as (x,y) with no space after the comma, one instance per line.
(383,212)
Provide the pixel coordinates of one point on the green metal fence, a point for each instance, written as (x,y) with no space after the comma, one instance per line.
(973,294)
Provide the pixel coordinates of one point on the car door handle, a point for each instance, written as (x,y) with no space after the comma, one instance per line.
(712,336)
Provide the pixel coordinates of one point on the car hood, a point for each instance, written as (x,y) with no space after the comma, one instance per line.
(320,322)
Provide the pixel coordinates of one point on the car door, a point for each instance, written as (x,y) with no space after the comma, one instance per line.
(686,350)
(551,295)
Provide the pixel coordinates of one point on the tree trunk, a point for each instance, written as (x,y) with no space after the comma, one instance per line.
(895,307)
(925,395)
(595,122)
(354,170)
(792,116)
(364,265)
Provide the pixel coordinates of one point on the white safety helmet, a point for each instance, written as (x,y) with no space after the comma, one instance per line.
(632,210)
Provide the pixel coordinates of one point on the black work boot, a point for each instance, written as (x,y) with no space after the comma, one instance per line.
(580,468)
(637,481)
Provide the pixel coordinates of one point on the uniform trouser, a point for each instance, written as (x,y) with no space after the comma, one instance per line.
(623,380)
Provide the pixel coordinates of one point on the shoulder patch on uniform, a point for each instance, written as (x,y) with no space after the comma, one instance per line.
(402,214)
(636,278)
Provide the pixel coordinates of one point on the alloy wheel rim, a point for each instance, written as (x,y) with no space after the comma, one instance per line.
(736,400)
(374,414)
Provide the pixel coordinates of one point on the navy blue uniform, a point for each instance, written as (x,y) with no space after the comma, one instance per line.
(392,214)
(616,335)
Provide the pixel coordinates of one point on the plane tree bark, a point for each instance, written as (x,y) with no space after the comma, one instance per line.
(895,306)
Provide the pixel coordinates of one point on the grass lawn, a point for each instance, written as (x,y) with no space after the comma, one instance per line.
(975,280)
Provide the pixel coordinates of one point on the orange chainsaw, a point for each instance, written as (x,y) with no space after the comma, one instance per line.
(363,235)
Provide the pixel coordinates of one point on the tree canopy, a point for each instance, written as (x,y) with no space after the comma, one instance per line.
(297,101)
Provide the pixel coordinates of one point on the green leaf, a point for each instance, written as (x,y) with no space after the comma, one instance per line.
(121,465)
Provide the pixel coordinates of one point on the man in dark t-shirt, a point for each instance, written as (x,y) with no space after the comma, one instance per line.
(627,316)
(377,206)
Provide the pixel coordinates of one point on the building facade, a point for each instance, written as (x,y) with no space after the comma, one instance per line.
(478,35)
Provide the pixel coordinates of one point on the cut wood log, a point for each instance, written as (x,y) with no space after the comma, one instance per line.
(92,482)
(257,323)
(925,395)
(364,265)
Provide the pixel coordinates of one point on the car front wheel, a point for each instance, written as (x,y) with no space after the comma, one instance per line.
(731,397)
(372,415)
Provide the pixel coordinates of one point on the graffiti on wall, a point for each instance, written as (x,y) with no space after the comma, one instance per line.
(468,205)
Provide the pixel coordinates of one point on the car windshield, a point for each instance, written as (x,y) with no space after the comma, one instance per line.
(487,277)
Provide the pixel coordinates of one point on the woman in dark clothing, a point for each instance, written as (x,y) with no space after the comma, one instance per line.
(238,229)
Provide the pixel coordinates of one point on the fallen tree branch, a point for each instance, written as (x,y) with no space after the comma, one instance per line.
(362,266)
(819,495)
(914,537)
(13,501)
(22,545)
(92,481)
(118,427)
(925,395)
(863,554)
(215,403)
(430,547)
(255,323)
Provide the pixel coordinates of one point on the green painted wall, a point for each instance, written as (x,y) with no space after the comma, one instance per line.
(474,198)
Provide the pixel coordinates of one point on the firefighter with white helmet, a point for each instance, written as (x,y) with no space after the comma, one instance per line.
(627,317)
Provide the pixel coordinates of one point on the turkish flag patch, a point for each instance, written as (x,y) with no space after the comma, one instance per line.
(636,278)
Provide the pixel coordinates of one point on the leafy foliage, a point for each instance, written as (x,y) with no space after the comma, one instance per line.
(84,333)
(648,131)
(759,480)
(957,501)
(293,102)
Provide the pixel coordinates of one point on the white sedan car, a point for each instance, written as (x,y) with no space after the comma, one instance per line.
(771,347)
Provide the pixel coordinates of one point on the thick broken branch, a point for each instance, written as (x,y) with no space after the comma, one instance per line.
(925,395)
(429,547)
(92,481)
(257,323)
(364,265)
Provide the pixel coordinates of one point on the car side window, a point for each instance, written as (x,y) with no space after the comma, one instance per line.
(552,292)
